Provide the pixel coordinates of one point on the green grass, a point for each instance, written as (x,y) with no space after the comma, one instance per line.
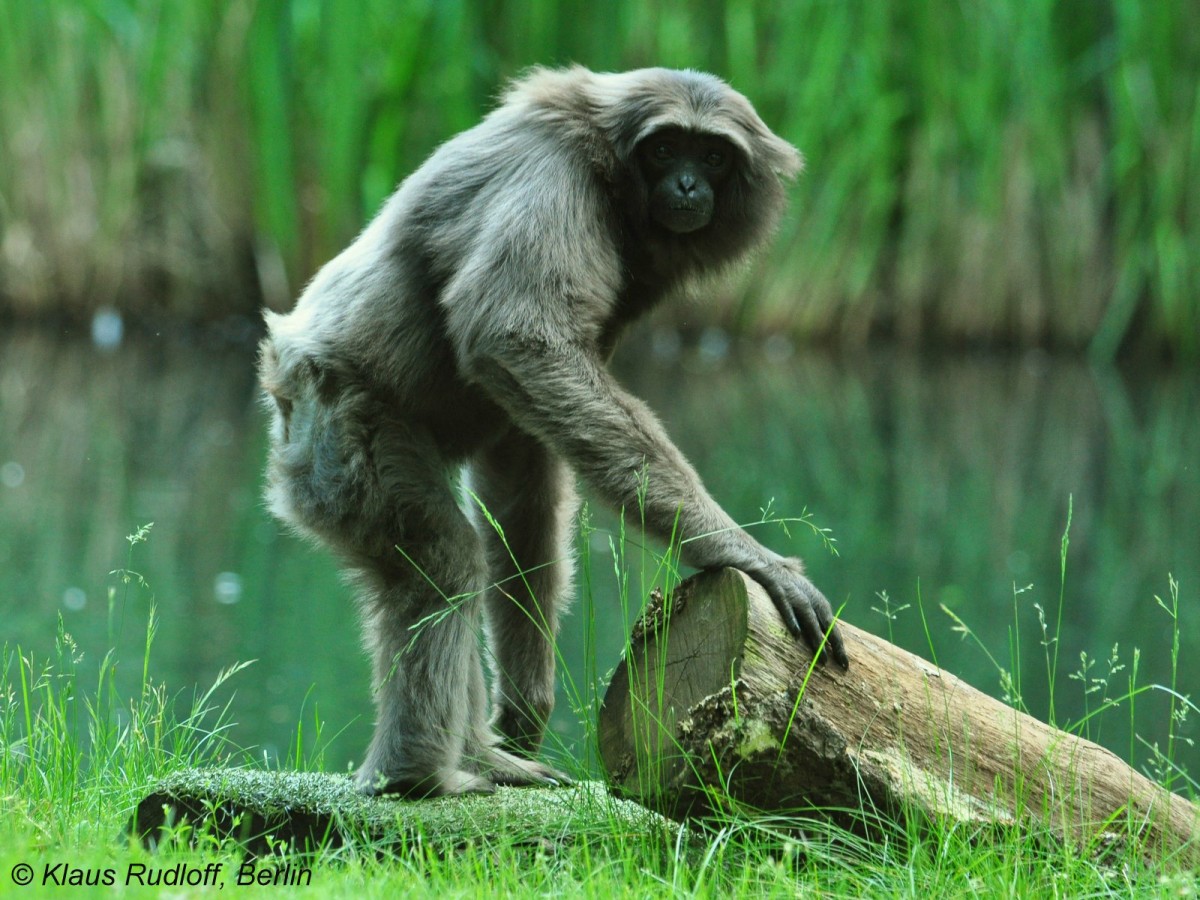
(75,756)
(979,173)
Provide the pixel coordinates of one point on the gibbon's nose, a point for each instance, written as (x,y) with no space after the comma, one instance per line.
(687,185)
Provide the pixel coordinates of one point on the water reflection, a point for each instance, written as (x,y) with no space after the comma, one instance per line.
(943,481)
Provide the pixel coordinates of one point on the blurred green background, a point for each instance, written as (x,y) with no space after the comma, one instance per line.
(991,172)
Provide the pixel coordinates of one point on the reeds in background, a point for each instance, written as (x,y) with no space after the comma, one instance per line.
(979,173)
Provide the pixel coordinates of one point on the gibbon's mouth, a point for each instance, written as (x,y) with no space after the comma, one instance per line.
(683,219)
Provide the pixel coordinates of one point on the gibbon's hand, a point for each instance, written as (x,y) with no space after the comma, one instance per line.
(804,609)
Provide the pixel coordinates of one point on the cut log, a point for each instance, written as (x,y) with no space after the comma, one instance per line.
(716,703)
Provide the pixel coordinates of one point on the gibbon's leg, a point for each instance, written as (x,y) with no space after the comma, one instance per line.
(423,648)
(424,626)
(530,493)
(419,582)
(346,473)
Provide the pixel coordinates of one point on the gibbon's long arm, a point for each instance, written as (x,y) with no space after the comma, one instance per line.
(561,393)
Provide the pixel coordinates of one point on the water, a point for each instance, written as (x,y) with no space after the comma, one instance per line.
(946,482)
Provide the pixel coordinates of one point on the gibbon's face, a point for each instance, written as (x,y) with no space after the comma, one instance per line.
(683,172)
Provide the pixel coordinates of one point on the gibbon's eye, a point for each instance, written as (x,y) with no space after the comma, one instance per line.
(662,151)
(716,159)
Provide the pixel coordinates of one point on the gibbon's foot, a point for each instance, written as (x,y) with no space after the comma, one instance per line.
(504,768)
(444,784)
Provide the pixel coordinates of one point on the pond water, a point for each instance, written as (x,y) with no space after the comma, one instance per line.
(945,482)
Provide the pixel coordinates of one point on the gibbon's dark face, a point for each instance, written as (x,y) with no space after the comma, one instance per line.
(683,172)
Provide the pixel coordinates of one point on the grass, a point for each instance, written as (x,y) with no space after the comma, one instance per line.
(979,173)
(75,756)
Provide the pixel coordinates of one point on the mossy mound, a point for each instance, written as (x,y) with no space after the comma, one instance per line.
(309,810)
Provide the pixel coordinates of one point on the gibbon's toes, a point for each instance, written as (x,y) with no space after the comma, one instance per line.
(506,769)
(443,784)
(558,778)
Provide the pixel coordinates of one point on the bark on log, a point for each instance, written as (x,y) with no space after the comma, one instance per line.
(715,701)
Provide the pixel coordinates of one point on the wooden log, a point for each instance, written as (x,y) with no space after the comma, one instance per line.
(715,702)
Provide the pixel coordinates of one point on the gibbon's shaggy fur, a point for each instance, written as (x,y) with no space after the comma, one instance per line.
(469,326)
